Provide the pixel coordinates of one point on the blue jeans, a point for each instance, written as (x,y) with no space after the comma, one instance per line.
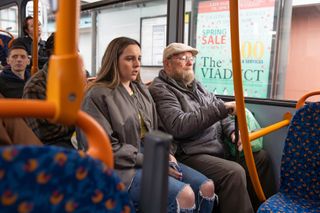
(190,177)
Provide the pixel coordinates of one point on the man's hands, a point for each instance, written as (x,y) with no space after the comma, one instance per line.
(231,107)
(239,142)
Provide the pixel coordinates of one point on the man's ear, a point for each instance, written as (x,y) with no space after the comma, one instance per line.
(166,63)
(28,61)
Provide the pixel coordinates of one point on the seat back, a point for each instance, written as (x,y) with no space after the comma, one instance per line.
(300,166)
(53,179)
(5,41)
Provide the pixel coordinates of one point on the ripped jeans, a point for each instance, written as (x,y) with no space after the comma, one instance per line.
(190,177)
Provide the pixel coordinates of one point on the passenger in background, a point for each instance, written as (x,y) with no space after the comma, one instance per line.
(28,40)
(49,133)
(123,106)
(14,131)
(199,121)
(13,78)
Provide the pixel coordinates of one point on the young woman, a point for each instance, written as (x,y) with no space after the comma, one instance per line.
(125,109)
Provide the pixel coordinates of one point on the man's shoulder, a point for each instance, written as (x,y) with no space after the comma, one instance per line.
(158,82)
(6,73)
(35,87)
(42,42)
(38,78)
(3,86)
(26,39)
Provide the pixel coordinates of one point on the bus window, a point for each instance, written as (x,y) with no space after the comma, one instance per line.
(302,74)
(212,37)
(9,19)
(46,18)
(277,45)
(144,21)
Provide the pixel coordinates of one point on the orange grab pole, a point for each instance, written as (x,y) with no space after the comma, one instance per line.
(238,89)
(65,76)
(34,67)
(271,128)
(302,100)
(26,108)
(99,143)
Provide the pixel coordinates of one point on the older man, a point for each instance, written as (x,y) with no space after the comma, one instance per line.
(199,122)
(14,77)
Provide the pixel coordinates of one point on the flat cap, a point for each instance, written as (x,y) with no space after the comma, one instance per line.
(176,48)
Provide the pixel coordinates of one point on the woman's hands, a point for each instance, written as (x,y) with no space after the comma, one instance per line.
(174,169)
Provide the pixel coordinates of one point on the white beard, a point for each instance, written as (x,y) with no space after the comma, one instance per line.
(188,77)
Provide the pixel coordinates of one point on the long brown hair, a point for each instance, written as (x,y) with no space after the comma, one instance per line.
(108,74)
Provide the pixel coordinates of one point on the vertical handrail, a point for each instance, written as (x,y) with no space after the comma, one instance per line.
(65,86)
(236,134)
(154,187)
(238,90)
(35,39)
(65,64)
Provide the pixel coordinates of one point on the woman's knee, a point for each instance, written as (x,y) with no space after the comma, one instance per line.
(186,198)
(207,189)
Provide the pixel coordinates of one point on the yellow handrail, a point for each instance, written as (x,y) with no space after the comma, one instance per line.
(34,67)
(238,90)
(302,100)
(264,131)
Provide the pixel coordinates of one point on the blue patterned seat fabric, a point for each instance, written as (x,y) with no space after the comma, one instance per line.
(300,165)
(4,41)
(52,179)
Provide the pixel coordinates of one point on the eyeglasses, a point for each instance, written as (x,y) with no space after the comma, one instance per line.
(185,58)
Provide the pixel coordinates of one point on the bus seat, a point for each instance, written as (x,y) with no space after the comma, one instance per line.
(5,41)
(53,179)
(300,165)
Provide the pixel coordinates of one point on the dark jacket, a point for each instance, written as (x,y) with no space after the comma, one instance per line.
(11,84)
(196,118)
(42,54)
(118,114)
